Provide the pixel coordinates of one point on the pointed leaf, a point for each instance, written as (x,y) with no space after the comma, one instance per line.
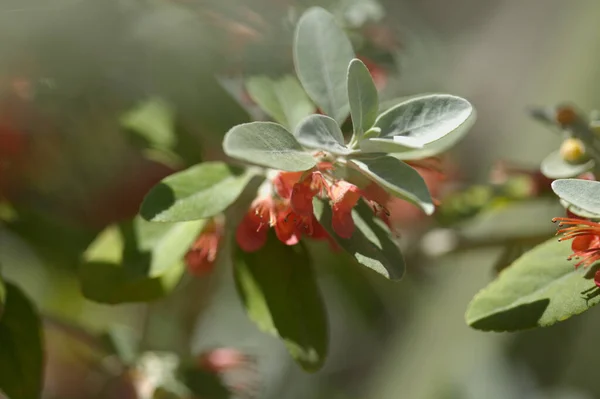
(371,244)
(555,167)
(196,193)
(363,97)
(322,52)
(397,178)
(21,353)
(322,133)
(539,289)
(135,262)
(280,294)
(583,194)
(422,120)
(282,99)
(267,144)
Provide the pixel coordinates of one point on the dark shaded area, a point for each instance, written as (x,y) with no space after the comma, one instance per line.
(519,317)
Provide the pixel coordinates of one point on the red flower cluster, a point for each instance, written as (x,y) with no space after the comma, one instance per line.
(201,257)
(289,209)
(586,241)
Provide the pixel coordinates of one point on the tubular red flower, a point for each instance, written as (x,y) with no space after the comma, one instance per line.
(345,196)
(201,257)
(586,239)
(284,183)
(252,232)
(305,190)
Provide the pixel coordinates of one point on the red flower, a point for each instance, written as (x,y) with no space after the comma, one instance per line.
(201,257)
(305,190)
(586,241)
(345,196)
(252,232)
(284,183)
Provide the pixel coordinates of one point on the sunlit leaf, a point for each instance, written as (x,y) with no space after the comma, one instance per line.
(322,133)
(198,192)
(583,194)
(283,99)
(322,52)
(397,178)
(371,244)
(280,294)
(363,97)
(138,261)
(21,353)
(555,167)
(421,121)
(539,289)
(267,144)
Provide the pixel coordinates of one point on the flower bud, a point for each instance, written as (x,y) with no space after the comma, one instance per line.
(572,150)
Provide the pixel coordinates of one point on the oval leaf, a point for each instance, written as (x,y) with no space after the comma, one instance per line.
(323,133)
(280,294)
(196,193)
(371,244)
(555,167)
(539,289)
(583,194)
(397,178)
(578,211)
(363,97)
(282,99)
(267,144)
(425,120)
(21,353)
(322,52)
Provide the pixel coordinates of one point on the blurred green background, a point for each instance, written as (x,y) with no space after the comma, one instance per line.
(70,70)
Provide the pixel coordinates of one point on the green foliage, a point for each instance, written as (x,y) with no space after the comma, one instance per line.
(283,99)
(205,384)
(539,289)
(397,178)
(2,296)
(154,121)
(555,167)
(198,192)
(322,53)
(323,133)
(21,353)
(267,144)
(372,244)
(583,194)
(280,294)
(363,97)
(138,261)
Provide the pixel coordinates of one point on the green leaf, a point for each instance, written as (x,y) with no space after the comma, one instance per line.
(205,384)
(578,211)
(280,294)
(196,193)
(137,261)
(555,167)
(283,99)
(397,178)
(267,144)
(421,121)
(539,289)
(21,353)
(2,297)
(322,52)
(371,244)
(323,133)
(363,97)
(583,194)
(154,121)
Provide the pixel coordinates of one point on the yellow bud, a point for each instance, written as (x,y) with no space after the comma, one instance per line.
(573,151)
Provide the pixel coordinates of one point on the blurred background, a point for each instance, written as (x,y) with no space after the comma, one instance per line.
(102,99)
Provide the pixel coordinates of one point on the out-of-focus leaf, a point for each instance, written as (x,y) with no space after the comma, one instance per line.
(123,341)
(283,99)
(205,384)
(363,97)
(397,178)
(322,52)
(583,194)
(280,294)
(154,121)
(539,289)
(421,121)
(371,244)
(138,261)
(2,295)
(323,133)
(196,193)
(21,353)
(267,144)
(555,167)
